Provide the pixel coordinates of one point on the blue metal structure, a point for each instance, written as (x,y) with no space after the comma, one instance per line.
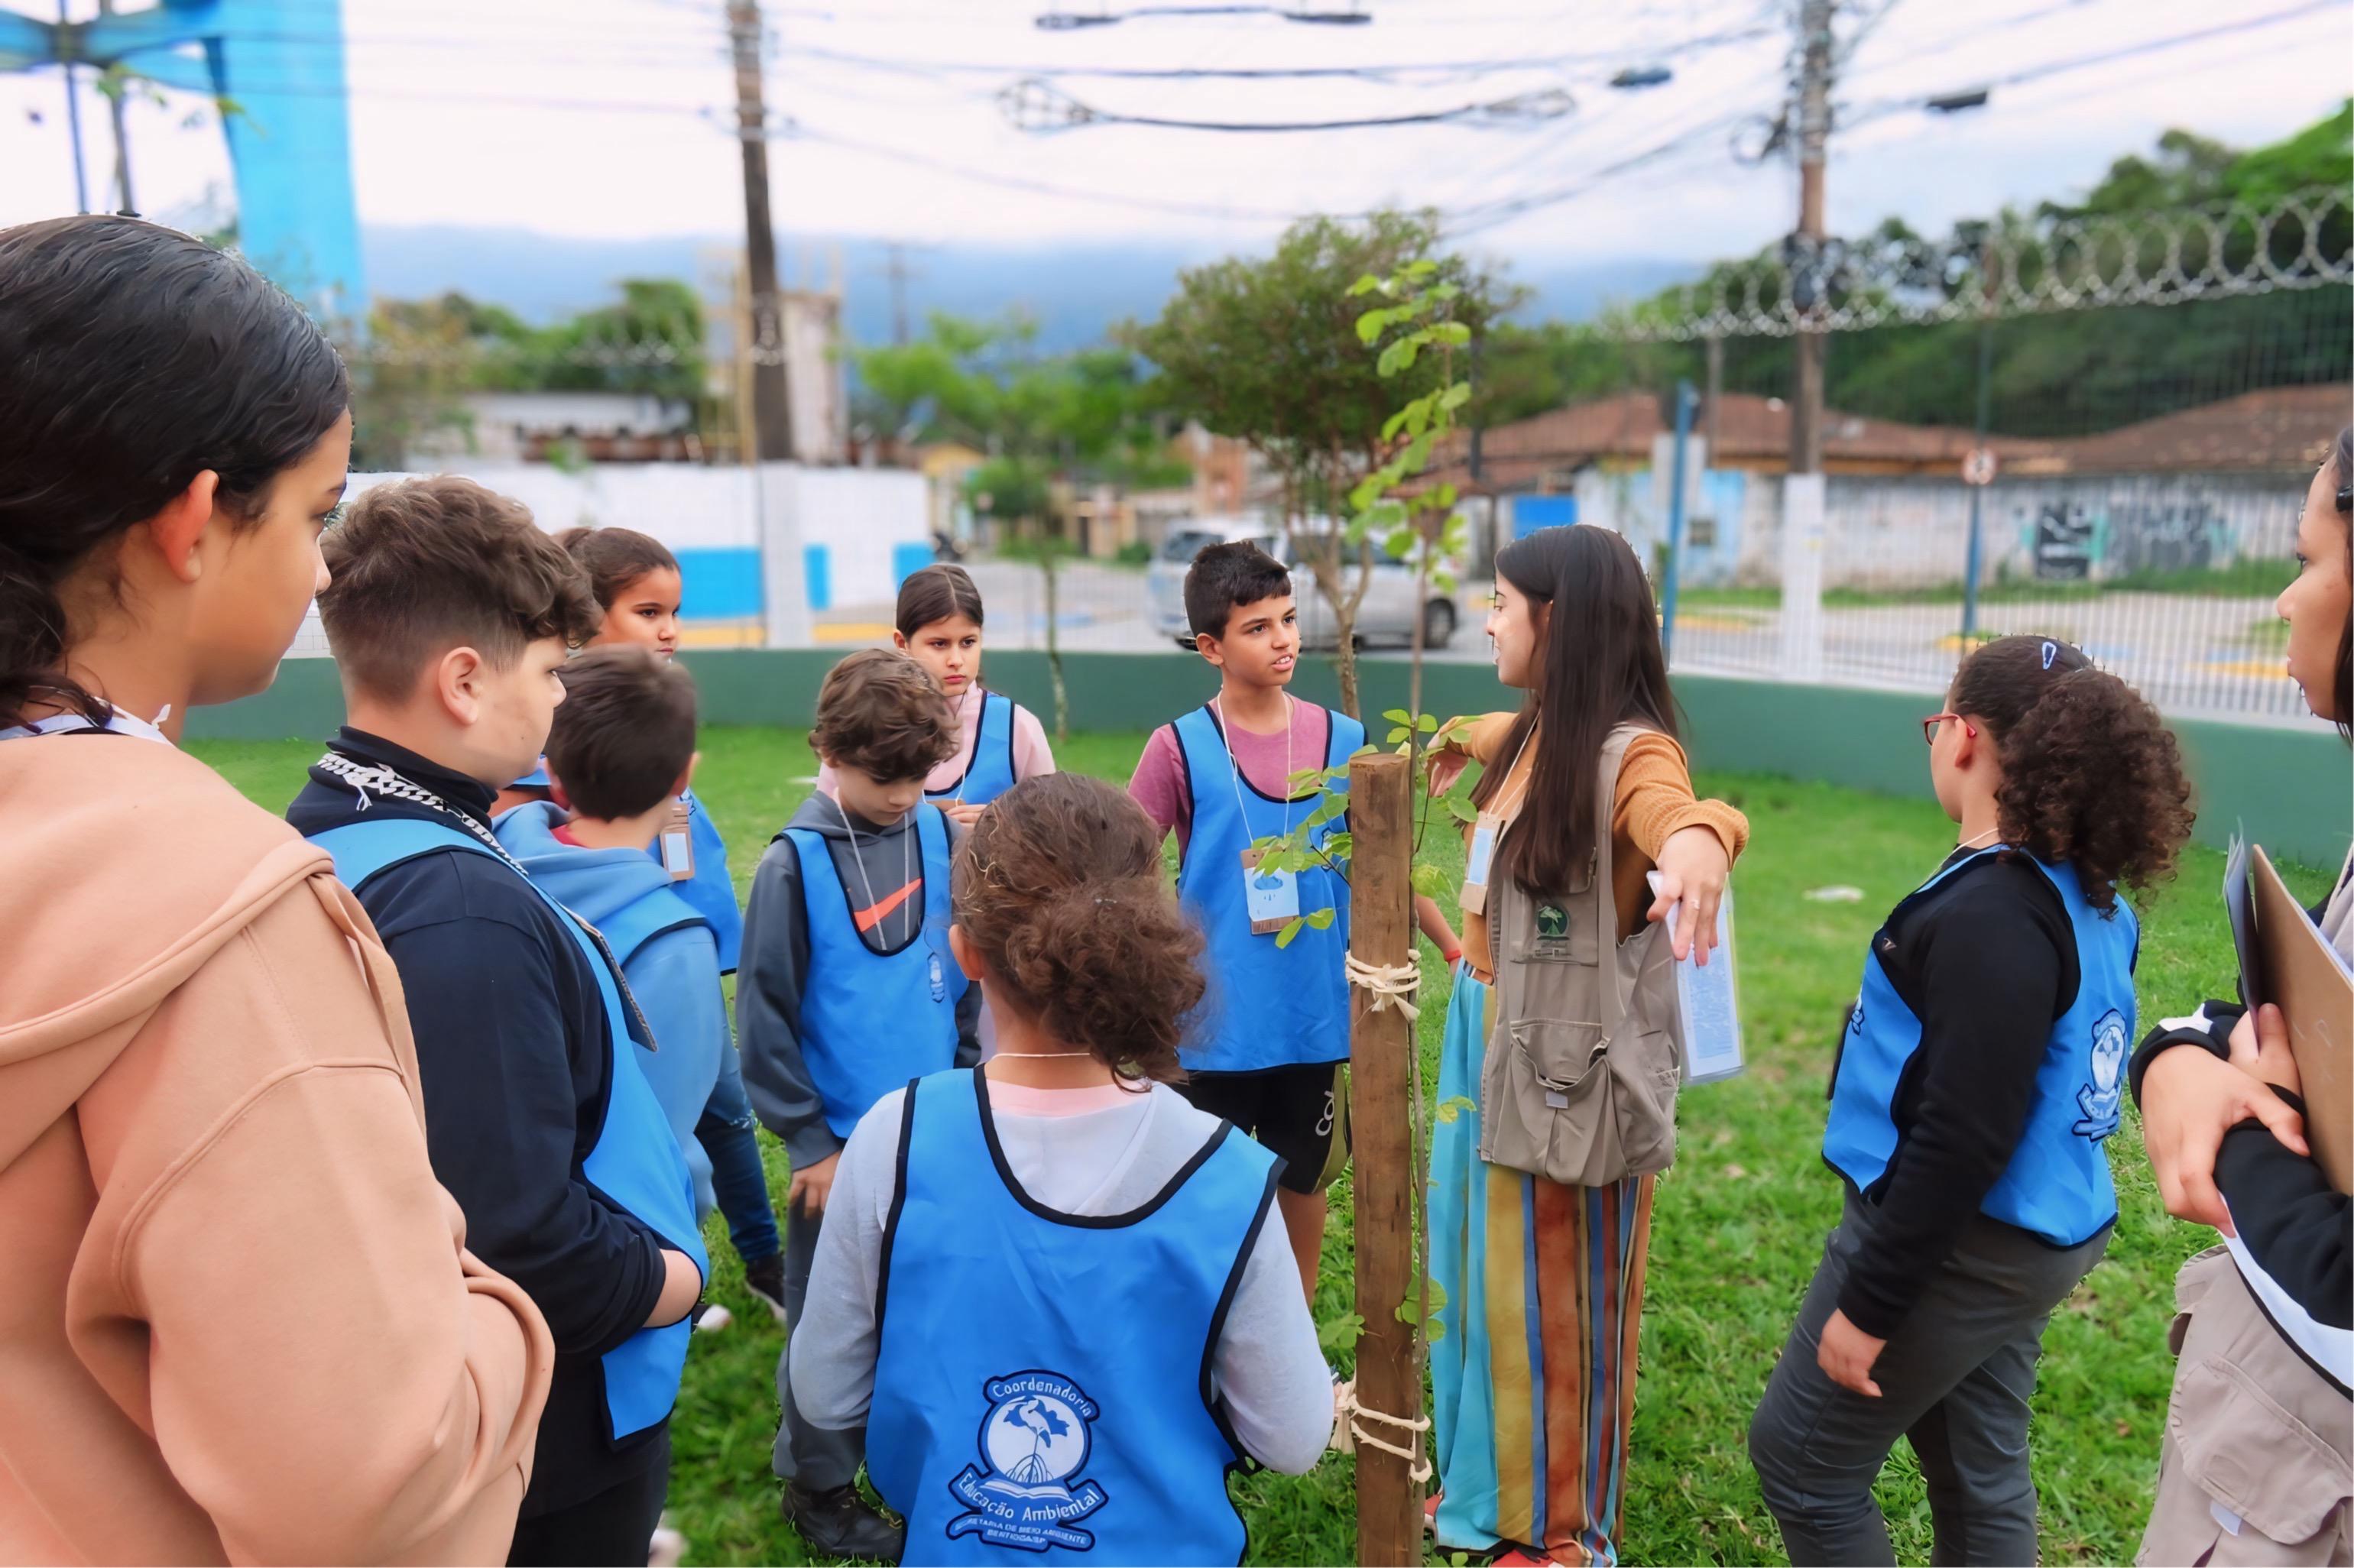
(277,67)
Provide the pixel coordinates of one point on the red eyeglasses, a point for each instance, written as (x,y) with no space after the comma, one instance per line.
(1929,727)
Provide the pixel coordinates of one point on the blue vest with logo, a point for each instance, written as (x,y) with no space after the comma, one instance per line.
(636,1163)
(989,772)
(871,1021)
(1267,1006)
(711,890)
(2057,1184)
(1042,1379)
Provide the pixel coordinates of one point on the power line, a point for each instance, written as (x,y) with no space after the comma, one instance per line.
(1039,106)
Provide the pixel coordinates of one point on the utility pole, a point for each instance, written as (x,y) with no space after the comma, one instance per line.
(122,140)
(771,411)
(1715,394)
(1814,131)
(68,47)
(899,270)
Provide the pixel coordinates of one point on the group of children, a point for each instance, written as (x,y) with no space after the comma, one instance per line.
(355,1205)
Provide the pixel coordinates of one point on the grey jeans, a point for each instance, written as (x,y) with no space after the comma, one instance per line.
(1955,1380)
(819,1458)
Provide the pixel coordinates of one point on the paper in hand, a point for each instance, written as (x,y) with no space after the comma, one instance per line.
(1708,1001)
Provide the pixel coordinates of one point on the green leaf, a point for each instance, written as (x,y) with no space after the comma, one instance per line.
(1461,810)
(1398,543)
(1290,929)
(1454,396)
(1444,580)
(1416,270)
(1341,1334)
(1395,735)
(1396,357)
(1450,1108)
(1372,324)
(1305,776)
(1364,285)
(1397,716)
(1428,723)
(1395,422)
(1430,881)
(1454,332)
(1437,1298)
(1331,806)
(1320,918)
(1442,495)
(1339,846)
(1433,1330)
(1446,291)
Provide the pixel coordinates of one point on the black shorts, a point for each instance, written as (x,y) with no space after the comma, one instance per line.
(1300,1112)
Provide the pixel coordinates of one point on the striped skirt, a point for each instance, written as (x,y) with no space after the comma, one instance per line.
(1534,1374)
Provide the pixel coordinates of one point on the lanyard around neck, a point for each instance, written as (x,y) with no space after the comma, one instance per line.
(1235,766)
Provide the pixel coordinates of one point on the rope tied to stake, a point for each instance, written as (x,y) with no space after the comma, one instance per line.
(1390,984)
(1352,1433)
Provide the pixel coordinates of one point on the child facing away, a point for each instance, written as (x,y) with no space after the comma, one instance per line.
(1089,1320)
(620,754)
(1981,1070)
(638,586)
(1000,742)
(848,990)
(238,1313)
(449,614)
(1273,1038)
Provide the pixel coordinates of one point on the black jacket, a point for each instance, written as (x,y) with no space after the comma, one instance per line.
(515,1058)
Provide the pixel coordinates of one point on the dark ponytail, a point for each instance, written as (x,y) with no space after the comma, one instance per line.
(1059,885)
(935,593)
(1600,666)
(132,358)
(615,557)
(2090,775)
(2342,480)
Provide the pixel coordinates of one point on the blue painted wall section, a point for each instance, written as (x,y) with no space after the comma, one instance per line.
(720,584)
(817,572)
(280,62)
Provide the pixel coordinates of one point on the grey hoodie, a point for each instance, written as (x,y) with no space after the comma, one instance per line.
(774,968)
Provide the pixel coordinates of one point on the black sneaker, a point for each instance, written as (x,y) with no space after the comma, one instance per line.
(841,1523)
(766,1279)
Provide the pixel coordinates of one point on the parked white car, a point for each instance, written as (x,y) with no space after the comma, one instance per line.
(1386,615)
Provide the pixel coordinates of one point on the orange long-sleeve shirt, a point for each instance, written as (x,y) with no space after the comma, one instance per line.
(1655,799)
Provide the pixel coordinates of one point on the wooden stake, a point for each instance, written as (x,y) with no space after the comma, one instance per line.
(1381,899)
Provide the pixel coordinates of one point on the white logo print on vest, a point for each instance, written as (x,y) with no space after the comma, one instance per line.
(1034,1438)
(2099,1099)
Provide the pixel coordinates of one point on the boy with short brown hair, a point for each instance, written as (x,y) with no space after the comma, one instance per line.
(846,990)
(449,614)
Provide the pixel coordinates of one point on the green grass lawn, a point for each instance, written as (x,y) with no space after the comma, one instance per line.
(1738,1227)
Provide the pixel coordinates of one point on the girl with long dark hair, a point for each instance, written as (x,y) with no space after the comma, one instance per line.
(1540,1194)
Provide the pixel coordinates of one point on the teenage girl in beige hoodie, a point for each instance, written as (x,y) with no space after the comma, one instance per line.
(237,1321)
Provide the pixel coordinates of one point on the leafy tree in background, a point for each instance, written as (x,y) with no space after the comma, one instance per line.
(1265,349)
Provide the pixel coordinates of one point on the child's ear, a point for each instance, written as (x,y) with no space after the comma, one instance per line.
(175,529)
(900,640)
(684,779)
(1208,647)
(555,791)
(457,680)
(967,957)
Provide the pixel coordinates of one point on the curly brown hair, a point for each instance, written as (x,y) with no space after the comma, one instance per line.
(1059,886)
(2090,775)
(880,713)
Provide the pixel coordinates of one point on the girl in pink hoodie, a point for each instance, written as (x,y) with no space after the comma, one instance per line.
(238,1321)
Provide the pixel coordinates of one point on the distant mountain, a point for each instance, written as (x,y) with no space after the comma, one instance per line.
(1075,290)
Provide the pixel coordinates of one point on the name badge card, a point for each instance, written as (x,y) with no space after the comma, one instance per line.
(1484,833)
(678,841)
(1271,898)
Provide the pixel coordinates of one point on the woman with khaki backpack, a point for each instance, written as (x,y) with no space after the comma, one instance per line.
(1558,1043)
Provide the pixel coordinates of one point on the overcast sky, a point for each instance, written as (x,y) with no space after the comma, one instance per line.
(592,118)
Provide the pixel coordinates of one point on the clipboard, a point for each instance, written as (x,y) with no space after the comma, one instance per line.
(2303,977)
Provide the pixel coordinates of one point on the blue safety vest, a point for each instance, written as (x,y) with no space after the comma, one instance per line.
(711,890)
(873,1020)
(1043,1379)
(1268,1006)
(989,772)
(635,1163)
(2057,1184)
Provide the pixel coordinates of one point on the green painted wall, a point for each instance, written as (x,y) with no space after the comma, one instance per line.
(2289,787)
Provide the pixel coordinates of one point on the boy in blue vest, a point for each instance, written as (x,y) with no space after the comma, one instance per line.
(846,989)
(620,753)
(1273,1038)
(449,614)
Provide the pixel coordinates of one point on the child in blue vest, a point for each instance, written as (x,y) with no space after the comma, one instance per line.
(449,614)
(1273,1039)
(1048,1287)
(848,990)
(1981,1070)
(999,741)
(638,587)
(622,750)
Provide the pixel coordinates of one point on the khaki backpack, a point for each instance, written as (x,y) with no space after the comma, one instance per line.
(1578,1085)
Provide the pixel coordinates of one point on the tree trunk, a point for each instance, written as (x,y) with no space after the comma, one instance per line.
(1055,644)
(1389,1501)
